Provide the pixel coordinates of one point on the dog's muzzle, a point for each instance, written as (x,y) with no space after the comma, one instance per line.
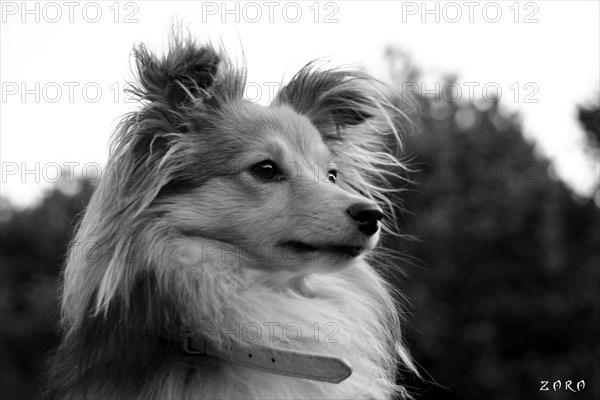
(366,216)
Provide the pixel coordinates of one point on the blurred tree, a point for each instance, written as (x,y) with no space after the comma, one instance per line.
(33,244)
(507,291)
(589,117)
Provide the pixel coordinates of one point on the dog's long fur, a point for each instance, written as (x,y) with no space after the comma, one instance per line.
(180,235)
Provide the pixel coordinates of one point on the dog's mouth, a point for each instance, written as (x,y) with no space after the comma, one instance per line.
(301,247)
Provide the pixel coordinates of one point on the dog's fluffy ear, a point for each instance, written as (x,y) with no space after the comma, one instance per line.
(334,99)
(359,119)
(178,91)
(185,72)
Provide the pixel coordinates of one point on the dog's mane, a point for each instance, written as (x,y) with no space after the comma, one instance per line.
(123,301)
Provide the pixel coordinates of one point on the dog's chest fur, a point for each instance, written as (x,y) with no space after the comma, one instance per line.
(342,317)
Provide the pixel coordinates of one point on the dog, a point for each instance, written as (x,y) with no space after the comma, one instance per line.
(226,252)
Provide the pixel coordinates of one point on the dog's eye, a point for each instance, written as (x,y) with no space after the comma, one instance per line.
(267,170)
(332,176)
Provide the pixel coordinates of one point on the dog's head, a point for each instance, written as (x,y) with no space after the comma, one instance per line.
(295,184)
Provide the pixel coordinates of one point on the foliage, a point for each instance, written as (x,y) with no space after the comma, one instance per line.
(505,291)
(33,244)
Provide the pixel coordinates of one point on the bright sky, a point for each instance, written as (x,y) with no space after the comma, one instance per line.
(63,66)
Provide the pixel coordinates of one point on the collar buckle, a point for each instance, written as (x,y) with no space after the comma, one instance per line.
(199,347)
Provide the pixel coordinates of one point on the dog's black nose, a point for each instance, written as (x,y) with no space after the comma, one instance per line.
(367,217)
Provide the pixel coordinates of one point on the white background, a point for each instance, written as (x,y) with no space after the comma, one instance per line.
(47,46)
